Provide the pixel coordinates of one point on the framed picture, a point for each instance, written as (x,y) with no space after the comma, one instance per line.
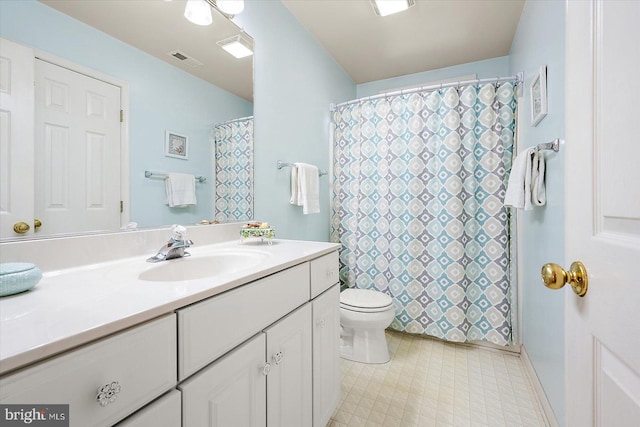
(539,96)
(176,145)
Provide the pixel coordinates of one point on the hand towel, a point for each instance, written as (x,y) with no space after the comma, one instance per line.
(181,190)
(538,191)
(518,194)
(305,187)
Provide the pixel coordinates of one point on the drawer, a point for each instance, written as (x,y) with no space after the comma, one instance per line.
(209,329)
(164,412)
(324,273)
(141,360)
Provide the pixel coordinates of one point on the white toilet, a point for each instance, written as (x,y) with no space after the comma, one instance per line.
(364,315)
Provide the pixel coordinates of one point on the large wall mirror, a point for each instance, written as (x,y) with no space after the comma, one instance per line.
(178,91)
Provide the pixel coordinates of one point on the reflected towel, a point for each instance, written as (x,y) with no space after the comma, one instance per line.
(518,194)
(305,187)
(181,190)
(538,191)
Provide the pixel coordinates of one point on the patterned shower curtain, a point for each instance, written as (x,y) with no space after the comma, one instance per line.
(233,142)
(418,186)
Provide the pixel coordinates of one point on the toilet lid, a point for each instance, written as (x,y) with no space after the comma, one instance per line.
(364,298)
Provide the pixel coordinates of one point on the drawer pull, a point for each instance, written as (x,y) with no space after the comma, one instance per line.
(266,369)
(277,358)
(320,323)
(108,393)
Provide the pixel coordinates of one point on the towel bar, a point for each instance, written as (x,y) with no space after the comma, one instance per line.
(553,145)
(148,174)
(282,164)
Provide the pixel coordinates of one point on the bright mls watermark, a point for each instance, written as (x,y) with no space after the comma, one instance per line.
(34,415)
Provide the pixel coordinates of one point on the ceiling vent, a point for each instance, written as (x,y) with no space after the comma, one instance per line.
(185,59)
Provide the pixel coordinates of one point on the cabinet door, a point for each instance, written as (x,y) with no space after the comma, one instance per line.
(326,355)
(289,388)
(230,392)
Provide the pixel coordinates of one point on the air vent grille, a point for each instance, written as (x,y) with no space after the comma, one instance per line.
(185,59)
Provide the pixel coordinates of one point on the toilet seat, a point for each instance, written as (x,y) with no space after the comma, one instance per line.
(365,300)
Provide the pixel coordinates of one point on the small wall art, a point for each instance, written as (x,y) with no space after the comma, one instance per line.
(539,96)
(176,145)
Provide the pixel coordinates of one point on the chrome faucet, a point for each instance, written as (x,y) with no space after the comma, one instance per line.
(175,247)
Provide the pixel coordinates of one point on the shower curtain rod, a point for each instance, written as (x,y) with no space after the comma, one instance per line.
(517,78)
(234,120)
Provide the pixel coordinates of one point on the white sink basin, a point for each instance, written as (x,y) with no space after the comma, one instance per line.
(202,266)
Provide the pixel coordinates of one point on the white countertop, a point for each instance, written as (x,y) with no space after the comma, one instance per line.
(72,307)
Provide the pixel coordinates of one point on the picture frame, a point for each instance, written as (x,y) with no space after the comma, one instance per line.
(176,145)
(538,91)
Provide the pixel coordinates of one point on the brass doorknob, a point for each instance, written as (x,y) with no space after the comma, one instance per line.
(555,277)
(36,224)
(21,227)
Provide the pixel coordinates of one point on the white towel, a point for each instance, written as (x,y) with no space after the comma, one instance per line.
(305,187)
(181,190)
(518,194)
(538,191)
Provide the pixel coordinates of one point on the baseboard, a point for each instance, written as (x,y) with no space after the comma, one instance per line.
(537,386)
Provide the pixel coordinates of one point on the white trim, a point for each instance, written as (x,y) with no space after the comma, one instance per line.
(550,418)
(124,126)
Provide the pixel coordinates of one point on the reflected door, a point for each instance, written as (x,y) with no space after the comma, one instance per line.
(603,213)
(77,141)
(16,138)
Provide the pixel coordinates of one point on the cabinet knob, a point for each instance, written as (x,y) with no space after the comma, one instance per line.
(108,393)
(266,369)
(321,323)
(277,358)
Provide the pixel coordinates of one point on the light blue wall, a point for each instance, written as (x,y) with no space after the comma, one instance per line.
(295,81)
(162,97)
(539,41)
(496,67)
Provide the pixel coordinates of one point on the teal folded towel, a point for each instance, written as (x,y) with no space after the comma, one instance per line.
(18,277)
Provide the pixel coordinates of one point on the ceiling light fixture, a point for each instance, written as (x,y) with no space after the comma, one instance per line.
(237,46)
(388,7)
(230,7)
(198,12)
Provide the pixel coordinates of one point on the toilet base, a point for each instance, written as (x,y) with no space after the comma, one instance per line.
(364,345)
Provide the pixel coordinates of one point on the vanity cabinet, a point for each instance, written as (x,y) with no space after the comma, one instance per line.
(264,353)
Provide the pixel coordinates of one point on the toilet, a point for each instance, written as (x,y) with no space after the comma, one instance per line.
(364,315)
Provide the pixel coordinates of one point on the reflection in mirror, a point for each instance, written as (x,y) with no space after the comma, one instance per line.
(111,41)
(234,170)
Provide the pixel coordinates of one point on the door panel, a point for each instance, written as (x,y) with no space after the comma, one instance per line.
(16,137)
(78,131)
(603,212)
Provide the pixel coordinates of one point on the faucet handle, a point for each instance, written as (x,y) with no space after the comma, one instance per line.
(178,232)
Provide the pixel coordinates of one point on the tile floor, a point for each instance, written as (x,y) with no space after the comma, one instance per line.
(432,383)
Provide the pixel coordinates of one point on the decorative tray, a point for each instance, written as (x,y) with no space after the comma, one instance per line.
(248,232)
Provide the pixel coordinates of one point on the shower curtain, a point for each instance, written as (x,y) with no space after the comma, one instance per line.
(418,186)
(233,144)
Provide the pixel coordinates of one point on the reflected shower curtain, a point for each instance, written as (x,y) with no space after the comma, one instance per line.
(419,181)
(233,144)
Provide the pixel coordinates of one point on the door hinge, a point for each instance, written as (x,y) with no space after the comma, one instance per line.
(121,116)
(121,206)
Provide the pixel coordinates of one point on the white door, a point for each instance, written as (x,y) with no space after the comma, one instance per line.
(16,138)
(603,212)
(77,138)
(231,392)
(289,388)
(326,355)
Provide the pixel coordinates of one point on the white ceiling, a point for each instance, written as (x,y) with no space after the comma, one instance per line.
(431,34)
(159,27)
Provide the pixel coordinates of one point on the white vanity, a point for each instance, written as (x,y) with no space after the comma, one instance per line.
(122,341)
